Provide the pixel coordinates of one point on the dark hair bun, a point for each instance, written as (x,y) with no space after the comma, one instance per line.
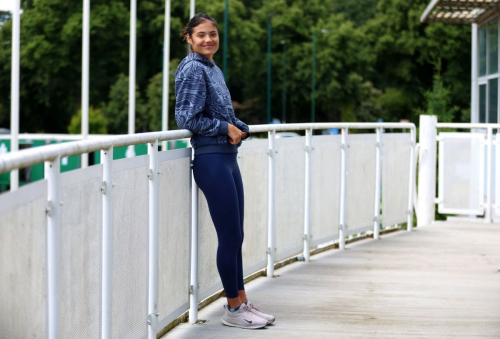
(195,21)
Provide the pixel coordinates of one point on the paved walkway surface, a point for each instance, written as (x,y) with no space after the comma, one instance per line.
(440,281)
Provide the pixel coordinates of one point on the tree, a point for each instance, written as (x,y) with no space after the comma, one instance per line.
(116,109)
(97,122)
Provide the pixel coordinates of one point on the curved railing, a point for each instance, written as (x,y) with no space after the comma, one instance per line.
(123,248)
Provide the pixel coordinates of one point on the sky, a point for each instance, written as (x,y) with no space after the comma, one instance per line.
(6,5)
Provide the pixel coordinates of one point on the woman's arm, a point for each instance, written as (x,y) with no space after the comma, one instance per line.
(190,93)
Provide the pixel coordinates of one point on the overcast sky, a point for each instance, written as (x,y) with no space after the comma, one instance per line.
(6,5)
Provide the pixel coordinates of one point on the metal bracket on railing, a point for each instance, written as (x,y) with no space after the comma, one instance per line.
(191,289)
(408,212)
(48,208)
(378,144)
(308,149)
(150,174)
(103,187)
(153,320)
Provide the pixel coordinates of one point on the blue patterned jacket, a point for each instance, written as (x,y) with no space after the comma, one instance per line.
(203,105)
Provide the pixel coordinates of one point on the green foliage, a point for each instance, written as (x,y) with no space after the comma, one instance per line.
(116,109)
(377,61)
(438,101)
(154,101)
(97,122)
(358,11)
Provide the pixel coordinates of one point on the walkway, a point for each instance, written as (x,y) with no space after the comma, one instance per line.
(441,281)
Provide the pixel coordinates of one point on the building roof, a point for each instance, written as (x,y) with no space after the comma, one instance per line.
(459,11)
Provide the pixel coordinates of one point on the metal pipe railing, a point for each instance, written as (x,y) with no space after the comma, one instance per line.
(51,155)
(427,169)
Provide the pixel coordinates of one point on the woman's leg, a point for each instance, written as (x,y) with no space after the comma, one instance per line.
(241,203)
(213,174)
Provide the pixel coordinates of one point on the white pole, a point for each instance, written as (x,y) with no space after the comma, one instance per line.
(193,289)
(427,170)
(343,191)
(131,74)
(191,10)
(85,77)
(107,241)
(52,169)
(166,73)
(411,184)
(307,198)
(14,95)
(270,212)
(378,181)
(489,183)
(474,82)
(154,217)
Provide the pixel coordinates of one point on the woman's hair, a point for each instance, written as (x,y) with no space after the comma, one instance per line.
(195,21)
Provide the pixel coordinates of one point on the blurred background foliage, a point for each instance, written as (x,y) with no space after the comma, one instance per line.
(377,62)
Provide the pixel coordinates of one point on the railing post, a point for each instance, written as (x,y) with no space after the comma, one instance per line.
(193,286)
(378,181)
(53,210)
(343,191)
(270,214)
(427,170)
(307,196)
(107,240)
(413,143)
(154,217)
(487,215)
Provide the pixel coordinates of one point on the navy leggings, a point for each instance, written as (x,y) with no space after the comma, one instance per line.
(219,178)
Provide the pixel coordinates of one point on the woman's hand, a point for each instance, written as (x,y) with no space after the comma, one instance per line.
(234,134)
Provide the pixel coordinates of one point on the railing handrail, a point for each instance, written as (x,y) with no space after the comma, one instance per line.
(461,125)
(30,157)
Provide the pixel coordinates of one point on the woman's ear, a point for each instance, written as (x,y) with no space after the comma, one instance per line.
(189,40)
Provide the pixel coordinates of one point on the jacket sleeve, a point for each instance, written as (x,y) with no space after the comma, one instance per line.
(191,93)
(242,127)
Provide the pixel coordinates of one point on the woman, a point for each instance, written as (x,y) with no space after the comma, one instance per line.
(203,106)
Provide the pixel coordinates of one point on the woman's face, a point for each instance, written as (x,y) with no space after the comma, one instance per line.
(205,39)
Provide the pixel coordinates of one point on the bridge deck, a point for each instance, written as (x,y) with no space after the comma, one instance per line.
(441,281)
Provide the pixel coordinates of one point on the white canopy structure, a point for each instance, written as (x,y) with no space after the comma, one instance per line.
(460,11)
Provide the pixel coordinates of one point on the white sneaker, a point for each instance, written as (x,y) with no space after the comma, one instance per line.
(242,318)
(255,310)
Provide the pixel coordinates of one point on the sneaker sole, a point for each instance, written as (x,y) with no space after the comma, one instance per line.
(250,327)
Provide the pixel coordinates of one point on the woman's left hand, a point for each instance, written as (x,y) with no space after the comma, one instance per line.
(244,135)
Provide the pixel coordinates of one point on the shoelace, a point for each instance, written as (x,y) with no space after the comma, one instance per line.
(256,307)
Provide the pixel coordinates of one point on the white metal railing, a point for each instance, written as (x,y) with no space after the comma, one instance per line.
(473,164)
(52,154)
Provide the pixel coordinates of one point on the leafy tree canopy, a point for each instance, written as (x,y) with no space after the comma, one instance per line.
(376,61)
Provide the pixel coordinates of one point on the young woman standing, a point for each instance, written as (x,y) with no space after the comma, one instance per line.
(203,106)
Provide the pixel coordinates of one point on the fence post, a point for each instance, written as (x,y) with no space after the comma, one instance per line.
(413,142)
(343,191)
(53,210)
(193,286)
(427,170)
(307,197)
(154,216)
(489,183)
(270,214)
(378,181)
(107,241)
